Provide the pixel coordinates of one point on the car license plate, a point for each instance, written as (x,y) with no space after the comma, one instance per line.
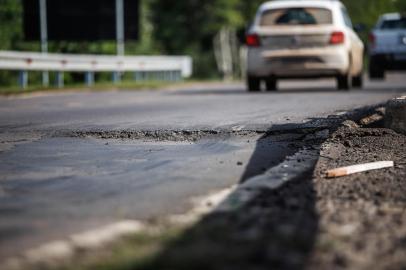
(399,56)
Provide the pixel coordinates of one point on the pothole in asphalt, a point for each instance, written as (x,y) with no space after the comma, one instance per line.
(160,135)
(189,135)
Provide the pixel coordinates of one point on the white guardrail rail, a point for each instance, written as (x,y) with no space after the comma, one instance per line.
(163,67)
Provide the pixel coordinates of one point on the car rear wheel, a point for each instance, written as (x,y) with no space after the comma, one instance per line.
(271,84)
(344,82)
(253,84)
(358,81)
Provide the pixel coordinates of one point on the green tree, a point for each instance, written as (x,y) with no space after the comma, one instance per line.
(10,26)
(368,11)
(174,27)
(188,26)
(10,32)
(400,5)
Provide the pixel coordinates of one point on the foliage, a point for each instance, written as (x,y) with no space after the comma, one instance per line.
(189,27)
(368,11)
(400,5)
(10,32)
(173,27)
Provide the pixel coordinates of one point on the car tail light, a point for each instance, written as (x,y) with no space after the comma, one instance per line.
(371,39)
(252,40)
(337,38)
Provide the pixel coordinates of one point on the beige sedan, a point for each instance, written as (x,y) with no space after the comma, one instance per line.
(303,39)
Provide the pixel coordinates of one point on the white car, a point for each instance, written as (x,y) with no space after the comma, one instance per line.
(387,45)
(303,39)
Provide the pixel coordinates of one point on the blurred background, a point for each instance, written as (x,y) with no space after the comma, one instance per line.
(198,28)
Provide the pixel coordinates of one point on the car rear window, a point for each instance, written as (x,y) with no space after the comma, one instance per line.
(296,16)
(394,24)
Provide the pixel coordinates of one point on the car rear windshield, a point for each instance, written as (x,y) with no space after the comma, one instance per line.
(296,16)
(394,24)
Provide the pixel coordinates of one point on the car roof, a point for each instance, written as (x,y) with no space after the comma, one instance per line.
(329,4)
(392,16)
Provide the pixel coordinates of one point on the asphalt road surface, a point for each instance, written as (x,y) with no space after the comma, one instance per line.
(75,161)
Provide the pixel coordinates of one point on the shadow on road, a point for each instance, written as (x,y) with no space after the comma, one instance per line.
(244,92)
(275,230)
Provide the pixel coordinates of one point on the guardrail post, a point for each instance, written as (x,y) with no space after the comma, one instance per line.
(59,79)
(23,79)
(44,37)
(138,76)
(45,78)
(172,77)
(178,76)
(89,78)
(116,77)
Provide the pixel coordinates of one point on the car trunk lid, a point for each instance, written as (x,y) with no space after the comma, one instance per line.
(295,37)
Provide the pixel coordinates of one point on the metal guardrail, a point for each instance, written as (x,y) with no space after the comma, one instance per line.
(162,67)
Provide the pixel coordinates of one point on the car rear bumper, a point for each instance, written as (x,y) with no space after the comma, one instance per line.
(300,63)
(389,61)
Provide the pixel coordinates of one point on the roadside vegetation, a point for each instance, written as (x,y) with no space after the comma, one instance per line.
(169,27)
(138,251)
(125,85)
(102,86)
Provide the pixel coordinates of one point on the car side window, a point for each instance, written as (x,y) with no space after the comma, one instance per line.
(346,16)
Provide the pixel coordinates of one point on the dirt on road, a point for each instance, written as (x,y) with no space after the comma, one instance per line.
(362,217)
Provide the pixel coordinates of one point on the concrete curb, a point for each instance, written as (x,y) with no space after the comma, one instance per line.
(396,115)
(294,166)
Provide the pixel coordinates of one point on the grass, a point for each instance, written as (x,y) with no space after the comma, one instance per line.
(133,252)
(102,86)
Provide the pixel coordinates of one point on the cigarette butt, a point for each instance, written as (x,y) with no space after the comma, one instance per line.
(344,171)
(337,173)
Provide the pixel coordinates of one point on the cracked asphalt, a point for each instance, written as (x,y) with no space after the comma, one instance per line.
(74,161)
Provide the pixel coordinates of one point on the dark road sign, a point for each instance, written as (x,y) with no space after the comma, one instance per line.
(81,20)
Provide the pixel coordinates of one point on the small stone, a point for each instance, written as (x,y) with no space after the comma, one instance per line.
(379,194)
(395,115)
(348,143)
(349,124)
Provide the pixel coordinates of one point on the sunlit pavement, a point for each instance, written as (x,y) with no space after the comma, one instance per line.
(54,182)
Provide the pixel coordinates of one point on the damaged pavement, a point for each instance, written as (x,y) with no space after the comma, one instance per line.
(283,213)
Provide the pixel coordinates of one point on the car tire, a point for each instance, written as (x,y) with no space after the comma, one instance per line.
(253,84)
(344,82)
(271,84)
(358,81)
